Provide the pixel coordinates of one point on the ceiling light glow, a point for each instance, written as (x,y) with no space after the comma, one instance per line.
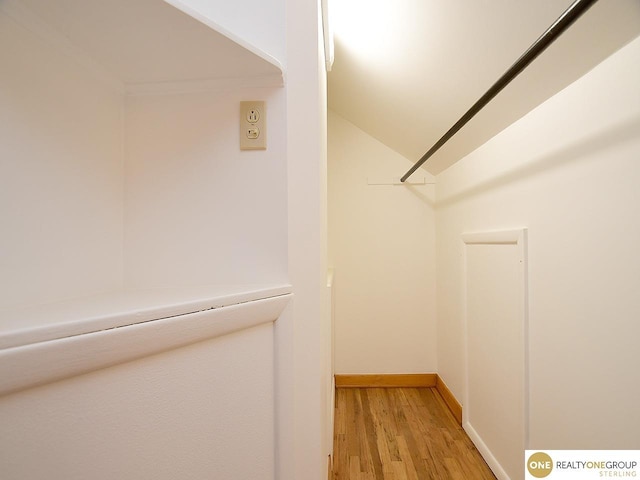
(366,27)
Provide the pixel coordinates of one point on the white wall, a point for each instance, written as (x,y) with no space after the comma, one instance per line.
(197,412)
(568,171)
(199,210)
(382,247)
(238,236)
(190,207)
(60,174)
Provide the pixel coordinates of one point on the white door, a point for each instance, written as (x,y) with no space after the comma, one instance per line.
(495,407)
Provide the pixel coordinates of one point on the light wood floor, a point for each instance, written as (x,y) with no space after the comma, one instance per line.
(398,434)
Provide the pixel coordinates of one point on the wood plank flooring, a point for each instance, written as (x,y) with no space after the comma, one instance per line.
(401,434)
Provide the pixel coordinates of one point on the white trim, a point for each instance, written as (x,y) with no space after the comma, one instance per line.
(33,324)
(500,237)
(331,367)
(493,463)
(40,363)
(327,35)
(397,181)
(332,418)
(517,237)
(205,85)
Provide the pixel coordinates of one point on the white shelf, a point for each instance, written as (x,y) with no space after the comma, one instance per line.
(25,326)
(148,46)
(225,311)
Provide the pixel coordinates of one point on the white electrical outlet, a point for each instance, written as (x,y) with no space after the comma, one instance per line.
(253,126)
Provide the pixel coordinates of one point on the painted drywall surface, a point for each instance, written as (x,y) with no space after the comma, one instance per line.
(201,411)
(259,22)
(299,331)
(61,174)
(199,210)
(382,247)
(568,171)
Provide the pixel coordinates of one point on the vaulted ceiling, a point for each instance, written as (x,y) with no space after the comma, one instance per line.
(406,70)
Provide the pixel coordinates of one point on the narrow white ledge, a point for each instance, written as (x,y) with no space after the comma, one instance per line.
(500,237)
(133,336)
(23,326)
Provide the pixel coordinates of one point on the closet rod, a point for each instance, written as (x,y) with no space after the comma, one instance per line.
(565,20)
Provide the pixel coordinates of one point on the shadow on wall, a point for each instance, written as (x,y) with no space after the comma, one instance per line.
(419,193)
(601,141)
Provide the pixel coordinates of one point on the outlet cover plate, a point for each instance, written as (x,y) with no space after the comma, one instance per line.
(253,125)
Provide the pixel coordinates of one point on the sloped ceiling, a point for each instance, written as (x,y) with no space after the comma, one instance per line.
(406,70)
(145,41)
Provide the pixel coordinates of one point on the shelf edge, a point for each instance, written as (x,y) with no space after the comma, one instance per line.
(227,33)
(207,85)
(46,362)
